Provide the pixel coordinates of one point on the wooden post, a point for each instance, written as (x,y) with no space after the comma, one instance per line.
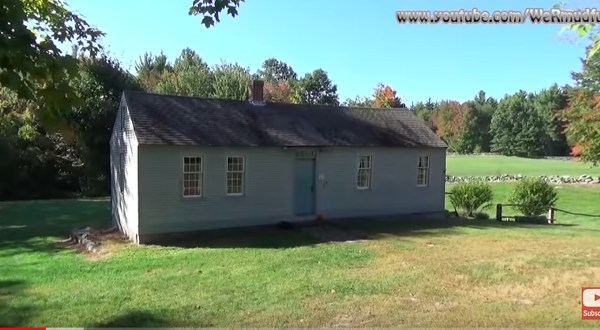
(551,215)
(498,212)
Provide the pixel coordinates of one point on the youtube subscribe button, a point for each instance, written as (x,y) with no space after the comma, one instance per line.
(590,303)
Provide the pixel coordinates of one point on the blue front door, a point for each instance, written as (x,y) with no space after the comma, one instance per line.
(304,187)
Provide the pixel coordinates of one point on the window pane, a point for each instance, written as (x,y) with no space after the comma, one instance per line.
(235,183)
(422,176)
(364,162)
(235,176)
(235,164)
(192,164)
(192,176)
(363,178)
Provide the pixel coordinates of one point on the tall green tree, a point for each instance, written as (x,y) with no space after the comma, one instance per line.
(34,163)
(517,128)
(589,77)
(466,141)
(582,114)
(317,88)
(280,79)
(482,109)
(359,102)
(99,85)
(150,68)
(548,103)
(274,70)
(230,81)
(190,76)
(31,63)
(424,111)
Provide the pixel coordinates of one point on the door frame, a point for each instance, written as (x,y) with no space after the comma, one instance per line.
(306,154)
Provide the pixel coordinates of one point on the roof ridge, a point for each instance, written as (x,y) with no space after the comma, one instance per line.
(273,103)
(181,96)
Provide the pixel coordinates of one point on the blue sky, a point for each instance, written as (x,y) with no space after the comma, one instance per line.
(359,43)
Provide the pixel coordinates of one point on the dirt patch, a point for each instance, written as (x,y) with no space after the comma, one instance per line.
(108,239)
(342,321)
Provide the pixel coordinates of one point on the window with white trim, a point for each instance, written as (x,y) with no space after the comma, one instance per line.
(363,178)
(423,171)
(192,176)
(235,175)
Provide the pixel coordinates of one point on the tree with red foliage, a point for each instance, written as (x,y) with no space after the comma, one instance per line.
(583,130)
(278,91)
(576,150)
(449,118)
(385,97)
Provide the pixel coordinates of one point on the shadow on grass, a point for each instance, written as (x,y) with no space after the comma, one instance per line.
(347,230)
(35,225)
(134,319)
(12,314)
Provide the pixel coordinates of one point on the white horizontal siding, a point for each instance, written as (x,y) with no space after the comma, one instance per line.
(393,188)
(124,204)
(269,194)
(266,198)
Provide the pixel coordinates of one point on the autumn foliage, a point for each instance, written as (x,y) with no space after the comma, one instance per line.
(385,97)
(278,91)
(449,118)
(583,132)
(576,150)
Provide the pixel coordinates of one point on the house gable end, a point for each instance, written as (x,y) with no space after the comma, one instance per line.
(123,123)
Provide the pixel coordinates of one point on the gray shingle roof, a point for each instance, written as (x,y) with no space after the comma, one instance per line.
(178,120)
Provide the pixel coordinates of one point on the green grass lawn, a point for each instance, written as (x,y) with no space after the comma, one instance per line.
(402,272)
(476,165)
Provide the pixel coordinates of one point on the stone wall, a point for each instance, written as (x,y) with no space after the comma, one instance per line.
(555,179)
(565,158)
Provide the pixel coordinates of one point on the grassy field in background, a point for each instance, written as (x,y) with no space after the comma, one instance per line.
(482,165)
(385,272)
